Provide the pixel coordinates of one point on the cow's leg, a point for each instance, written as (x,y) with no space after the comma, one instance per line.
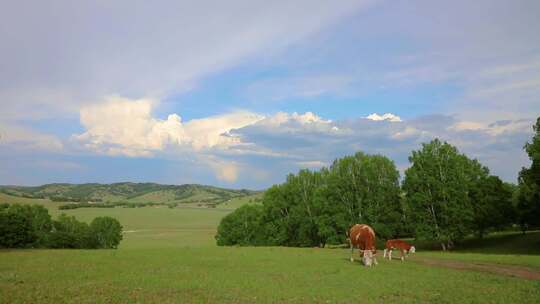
(384,253)
(352,251)
(390,254)
(375,259)
(402,255)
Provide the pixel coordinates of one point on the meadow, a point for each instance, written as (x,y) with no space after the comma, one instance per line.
(169,256)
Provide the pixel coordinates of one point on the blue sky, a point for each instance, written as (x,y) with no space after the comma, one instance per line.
(239,94)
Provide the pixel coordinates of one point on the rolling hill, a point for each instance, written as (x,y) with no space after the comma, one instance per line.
(132,193)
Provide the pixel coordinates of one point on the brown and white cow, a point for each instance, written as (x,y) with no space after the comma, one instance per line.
(404,247)
(363,237)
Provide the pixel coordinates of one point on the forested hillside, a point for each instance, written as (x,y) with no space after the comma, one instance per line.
(132,193)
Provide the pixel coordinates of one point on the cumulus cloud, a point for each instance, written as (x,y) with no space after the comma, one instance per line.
(498,145)
(282,119)
(120,126)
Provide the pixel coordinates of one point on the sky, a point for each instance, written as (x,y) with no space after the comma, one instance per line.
(241,93)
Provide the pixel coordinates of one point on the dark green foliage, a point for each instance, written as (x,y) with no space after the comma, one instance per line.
(449,195)
(68,232)
(88,205)
(242,227)
(365,189)
(25,226)
(20,216)
(106,232)
(492,204)
(16,229)
(528,196)
(317,208)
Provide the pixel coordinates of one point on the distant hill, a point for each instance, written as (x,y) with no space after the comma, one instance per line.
(129,192)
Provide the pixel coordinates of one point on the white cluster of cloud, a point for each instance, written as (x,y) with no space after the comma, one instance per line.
(226,143)
(120,126)
(385,116)
(282,118)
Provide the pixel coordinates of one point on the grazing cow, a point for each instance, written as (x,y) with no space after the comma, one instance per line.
(404,247)
(363,237)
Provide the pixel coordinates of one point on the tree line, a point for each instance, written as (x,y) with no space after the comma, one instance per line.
(31,226)
(444,197)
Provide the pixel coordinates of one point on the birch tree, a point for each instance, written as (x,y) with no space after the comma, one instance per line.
(437,192)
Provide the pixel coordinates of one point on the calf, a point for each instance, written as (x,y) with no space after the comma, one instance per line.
(404,247)
(363,237)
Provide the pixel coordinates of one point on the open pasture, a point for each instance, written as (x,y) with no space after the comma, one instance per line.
(169,256)
(242,275)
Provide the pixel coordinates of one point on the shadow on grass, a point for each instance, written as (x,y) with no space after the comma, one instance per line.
(496,243)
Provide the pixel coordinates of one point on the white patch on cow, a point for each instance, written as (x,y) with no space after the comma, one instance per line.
(412,250)
(367,258)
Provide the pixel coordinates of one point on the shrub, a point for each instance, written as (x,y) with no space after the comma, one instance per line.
(106,232)
(16,230)
(242,227)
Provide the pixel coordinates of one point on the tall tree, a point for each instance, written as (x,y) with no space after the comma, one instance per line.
(528,198)
(437,189)
(292,210)
(365,189)
(492,204)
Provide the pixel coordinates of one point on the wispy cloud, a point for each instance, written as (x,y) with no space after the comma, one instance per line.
(60,55)
(22,138)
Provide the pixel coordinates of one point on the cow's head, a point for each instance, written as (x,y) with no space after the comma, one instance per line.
(367,257)
(412,250)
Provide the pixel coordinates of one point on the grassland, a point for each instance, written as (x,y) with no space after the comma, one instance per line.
(169,256)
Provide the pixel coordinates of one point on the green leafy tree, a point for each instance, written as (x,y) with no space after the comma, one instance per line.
(106,232)
(16,229)
(304,208)
(68,232)
(40,220)
(242,227)
(365,189)
(492,204)
(528,197)
(437,189)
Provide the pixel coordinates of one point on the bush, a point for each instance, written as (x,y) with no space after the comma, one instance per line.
(242,227)
(24,226)
(106,232)
(16,230)
(68,232)
(19,217)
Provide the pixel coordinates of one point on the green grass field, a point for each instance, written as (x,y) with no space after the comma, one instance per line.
(169,256)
